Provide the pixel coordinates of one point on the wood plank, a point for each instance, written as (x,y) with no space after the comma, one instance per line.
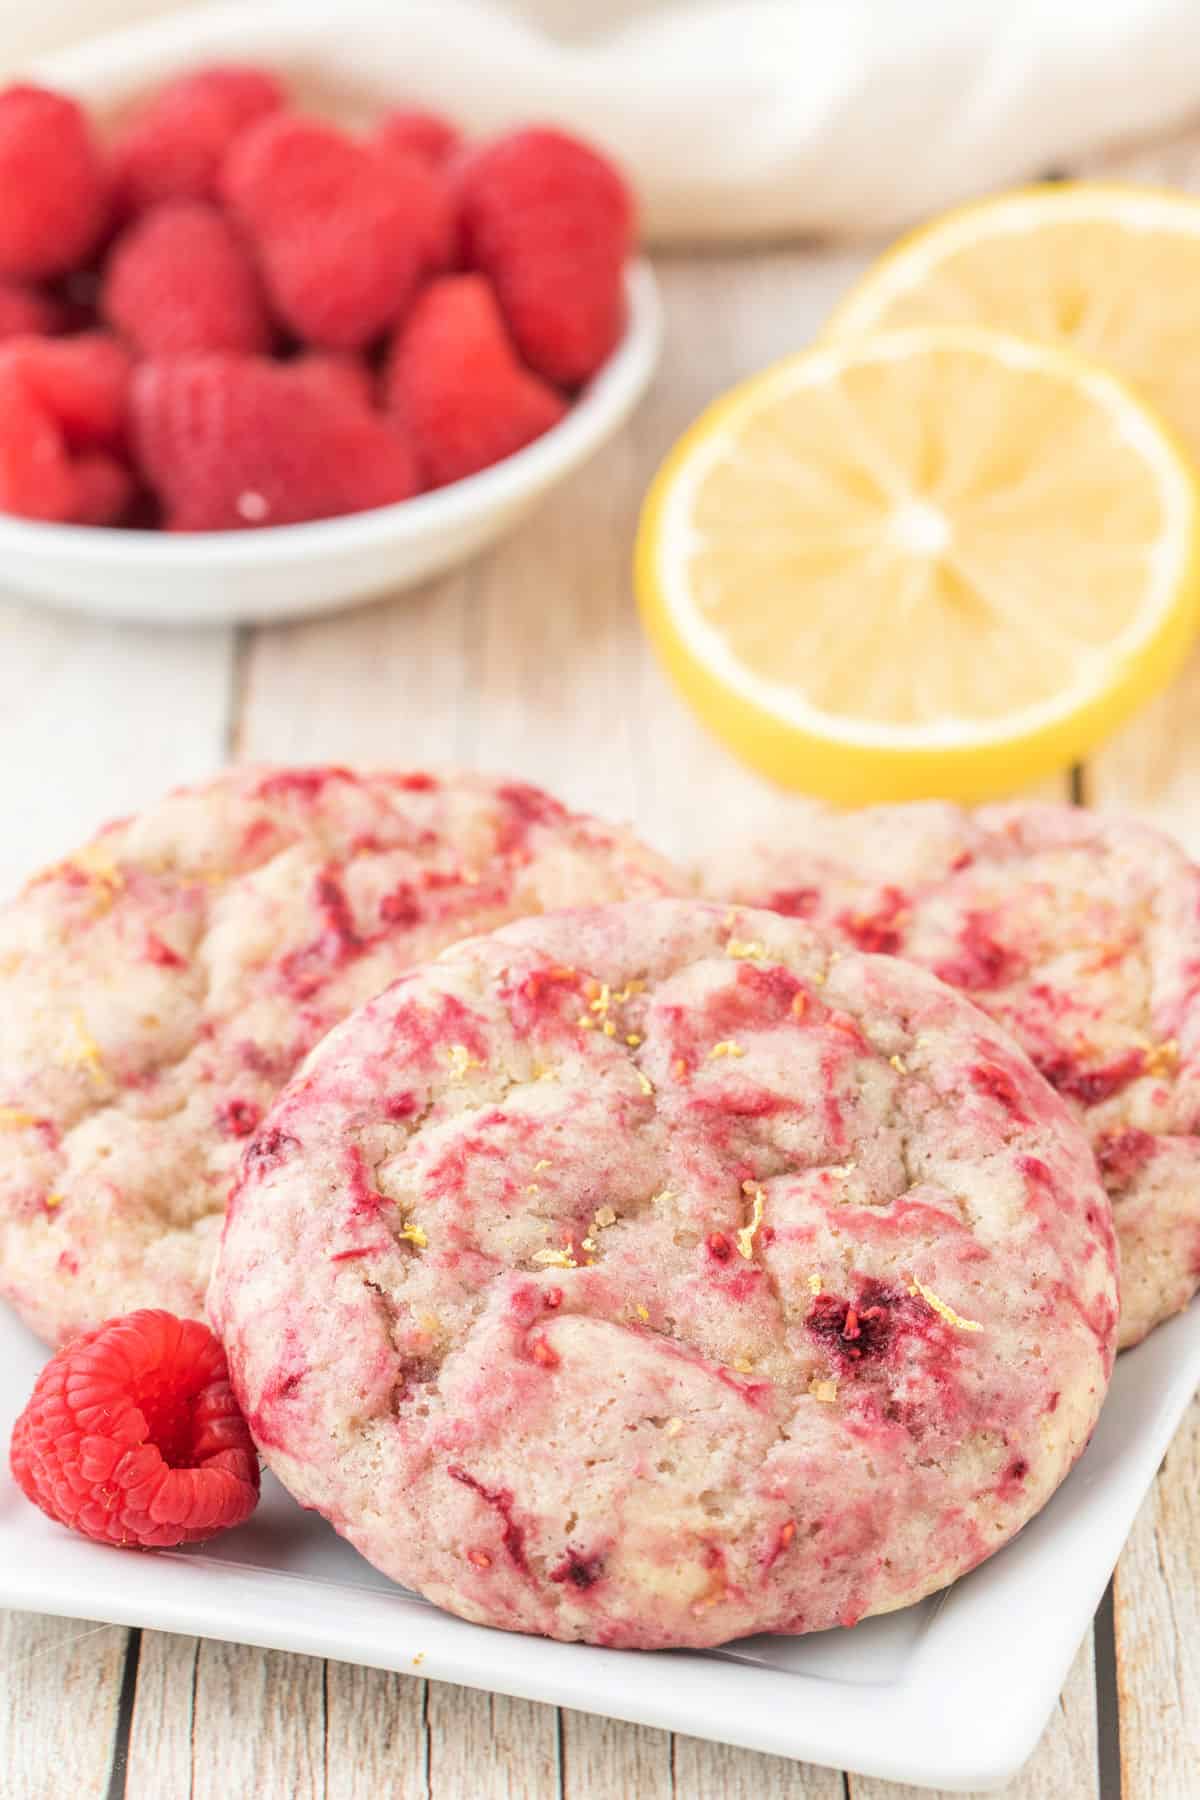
(488,1746)
(602,1757)
(705,1771)
(388,683)
(159,1758)
(258,1724)
(1065,1765)
(60,1682)
(1157,1617)
(376,1738)
(96,720)
(211,1720)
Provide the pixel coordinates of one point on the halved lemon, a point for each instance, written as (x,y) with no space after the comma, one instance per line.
(935,562)
(1107,270)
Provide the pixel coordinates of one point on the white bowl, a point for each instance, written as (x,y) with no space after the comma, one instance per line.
(285,570)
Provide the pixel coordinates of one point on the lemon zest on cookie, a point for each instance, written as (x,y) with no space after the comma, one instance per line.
(51,1201)
(460,1060)
(726,1047)
(643,1313)
(554,1259)
(745,949)
(13,1119)
(83,1052)
(745,1237)
(1163,1059)
(939,1306)
(743,1365)
(633,1039)
(413,1234)
(644,1082)
(898,1063)
(815,1284)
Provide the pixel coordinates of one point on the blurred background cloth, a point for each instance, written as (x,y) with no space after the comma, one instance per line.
(740,118)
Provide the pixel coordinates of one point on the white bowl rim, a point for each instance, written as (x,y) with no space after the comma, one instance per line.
(112,550)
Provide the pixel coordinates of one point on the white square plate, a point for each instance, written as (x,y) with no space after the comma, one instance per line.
(953,1693)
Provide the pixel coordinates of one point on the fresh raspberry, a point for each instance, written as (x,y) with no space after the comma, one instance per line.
(55,188)
(430,203)
(36,478)
(416,133)
(180,279)
(336,371)
(173,149)
(454,384)
(234,441)
(25,311)
(133,1436)
(334,229)
(104,490)
(81,382)
(550,222)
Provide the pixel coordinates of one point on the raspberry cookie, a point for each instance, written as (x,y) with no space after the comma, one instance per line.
(1078,932)
(159,987)
(652,1275)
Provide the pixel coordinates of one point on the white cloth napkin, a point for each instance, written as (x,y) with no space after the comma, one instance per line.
(736,118)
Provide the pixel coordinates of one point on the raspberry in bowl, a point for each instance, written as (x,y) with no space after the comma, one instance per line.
(353,345)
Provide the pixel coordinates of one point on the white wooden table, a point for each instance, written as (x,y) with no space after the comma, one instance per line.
(529,661)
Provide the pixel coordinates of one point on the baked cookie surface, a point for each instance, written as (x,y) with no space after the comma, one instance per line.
(1078,932)
(653,1275)
(158,987)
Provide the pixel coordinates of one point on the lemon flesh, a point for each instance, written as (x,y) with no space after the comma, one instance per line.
(1108,270)
(940,561)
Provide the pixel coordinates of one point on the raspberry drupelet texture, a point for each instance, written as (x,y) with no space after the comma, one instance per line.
(180,280)
(550,222)
(159,985)
(415,133)
(1080,933)
(54,183)
(230,442)
(652,1274)
(132,1436)
(455,386)
(174,146)
(341,238)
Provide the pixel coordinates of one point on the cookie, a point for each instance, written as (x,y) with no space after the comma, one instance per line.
(651,1275)
(1078,932)
(159,987)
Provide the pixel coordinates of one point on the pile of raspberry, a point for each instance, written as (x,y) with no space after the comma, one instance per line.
(232,315)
